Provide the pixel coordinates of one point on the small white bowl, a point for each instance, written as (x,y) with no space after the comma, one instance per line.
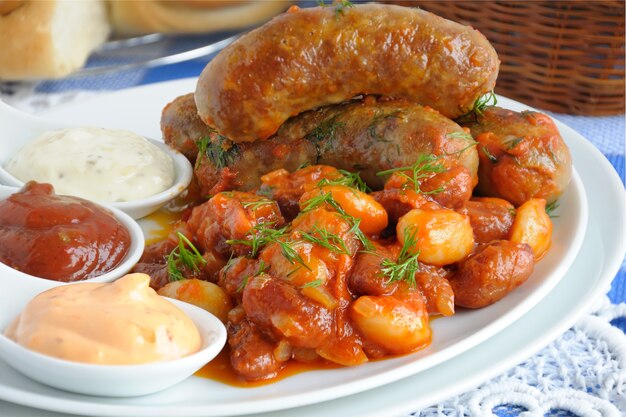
(116,380)
(19,287)
(19,128)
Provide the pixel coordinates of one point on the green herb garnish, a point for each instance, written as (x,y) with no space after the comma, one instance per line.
(221,152)
(259,236)
(291,254)
(313,284)
(510,144)
(340,6)
(424,167)
(378,117)
(488,154)
(348,179)
(182,257)
(262,234)
(478,108)
(327,198)
(551,207)
(324,134)
(326,239)
(255,204)
(460,135)
(407,265)
(484,101)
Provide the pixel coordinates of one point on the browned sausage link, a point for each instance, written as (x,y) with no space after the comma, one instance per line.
(451,188)
(227,166)
(365,135)
(433,282)
(278,307)
(234,276)
(181,126)
(313,57)
(522,156)
(367,279)
(491,218)
(251,352)
(491,273)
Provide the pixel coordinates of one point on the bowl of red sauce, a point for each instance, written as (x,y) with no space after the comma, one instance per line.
(48,239)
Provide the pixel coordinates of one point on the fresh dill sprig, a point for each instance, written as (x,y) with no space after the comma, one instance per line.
(407,265)
(349,179)
(326,239)
(291,254)
(263,234)
(358,233)
(512,143)
(318,201)
(203,144)
(340,6)
(255,204)
(325,130)
(484,101)
(488,154)
(313,284)
(259,236)
(221,152)
(424,167)
(327,198)
(323,135)
(460,135)
(478,108)
(551,207)
(379,116)
(180,257)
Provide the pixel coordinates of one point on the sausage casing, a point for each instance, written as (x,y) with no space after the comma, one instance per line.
(522,156)
(367,136)
(312,57)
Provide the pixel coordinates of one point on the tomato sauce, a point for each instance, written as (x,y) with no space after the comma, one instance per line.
(61,238)
(219,369)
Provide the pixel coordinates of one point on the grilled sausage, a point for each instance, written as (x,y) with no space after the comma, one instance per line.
(181,126)
(491,272)
(365,135)
(522,156)
(307,58)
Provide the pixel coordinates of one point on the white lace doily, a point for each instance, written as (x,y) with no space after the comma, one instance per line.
(582,374)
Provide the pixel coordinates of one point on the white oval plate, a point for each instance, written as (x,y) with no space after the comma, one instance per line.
(452,336)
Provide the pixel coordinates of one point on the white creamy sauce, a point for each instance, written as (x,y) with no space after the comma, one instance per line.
(107,165)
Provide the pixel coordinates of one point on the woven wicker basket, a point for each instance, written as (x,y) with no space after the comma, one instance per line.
(563,56)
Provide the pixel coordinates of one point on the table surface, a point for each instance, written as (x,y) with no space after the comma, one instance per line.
(606,133)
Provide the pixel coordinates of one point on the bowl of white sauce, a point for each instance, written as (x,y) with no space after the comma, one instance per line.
(112,166)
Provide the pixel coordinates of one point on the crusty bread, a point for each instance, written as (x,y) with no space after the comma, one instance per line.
(191,16)
(49,39)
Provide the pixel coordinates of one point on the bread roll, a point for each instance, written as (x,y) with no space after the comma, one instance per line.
(49,39)
(191,16)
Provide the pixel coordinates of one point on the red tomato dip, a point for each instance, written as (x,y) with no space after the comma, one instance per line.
(60,238)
